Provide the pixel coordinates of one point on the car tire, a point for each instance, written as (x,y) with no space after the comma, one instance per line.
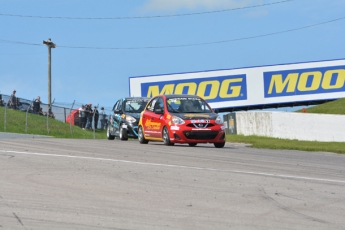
(166,138)
(141,136)
(219,145)
(192,144)
(123,134)
(109,136)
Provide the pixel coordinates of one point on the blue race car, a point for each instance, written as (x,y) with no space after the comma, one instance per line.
(123,123)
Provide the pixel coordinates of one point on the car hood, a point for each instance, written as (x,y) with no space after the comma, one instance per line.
(135,115)
(193,116)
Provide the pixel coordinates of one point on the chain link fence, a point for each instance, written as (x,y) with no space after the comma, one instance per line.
(61,111)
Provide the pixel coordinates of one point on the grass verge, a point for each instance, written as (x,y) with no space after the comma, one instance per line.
(277,143)
(16,122)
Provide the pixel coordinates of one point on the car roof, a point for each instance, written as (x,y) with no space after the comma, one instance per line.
(181,95)
(135,98)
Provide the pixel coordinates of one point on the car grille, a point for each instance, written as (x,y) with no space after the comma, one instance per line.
(200,135)
(200,125)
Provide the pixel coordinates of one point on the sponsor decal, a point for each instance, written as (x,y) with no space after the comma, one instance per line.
(304,81)
(200,129)
(152,125)
(212,89)
(174,128)
(200,121)
(191,115)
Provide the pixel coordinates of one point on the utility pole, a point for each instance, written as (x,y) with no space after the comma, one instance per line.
(50,45)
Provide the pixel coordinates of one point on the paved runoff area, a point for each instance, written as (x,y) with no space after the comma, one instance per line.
(49,183)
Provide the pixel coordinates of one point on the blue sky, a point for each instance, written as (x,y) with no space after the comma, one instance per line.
(100,44)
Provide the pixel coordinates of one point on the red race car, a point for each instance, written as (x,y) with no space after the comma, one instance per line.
(180,119)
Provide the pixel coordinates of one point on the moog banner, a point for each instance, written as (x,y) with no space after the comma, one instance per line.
(277,84)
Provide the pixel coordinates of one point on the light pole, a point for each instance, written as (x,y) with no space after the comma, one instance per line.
(50,45)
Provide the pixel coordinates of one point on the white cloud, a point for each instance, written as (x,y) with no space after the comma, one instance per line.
(173,5)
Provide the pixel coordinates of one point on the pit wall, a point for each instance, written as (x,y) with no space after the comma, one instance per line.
(288,125)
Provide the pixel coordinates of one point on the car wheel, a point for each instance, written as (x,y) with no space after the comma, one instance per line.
(166,138)
(141,137)
(123,134)
(109,136)
(219,145)
(192,144)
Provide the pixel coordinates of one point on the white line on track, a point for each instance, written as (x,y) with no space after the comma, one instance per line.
(179,166)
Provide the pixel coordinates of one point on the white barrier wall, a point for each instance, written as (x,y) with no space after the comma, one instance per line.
(300,126)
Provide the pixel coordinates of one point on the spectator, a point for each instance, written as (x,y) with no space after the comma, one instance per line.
(13,100)
(95,117)
(82,117)
(36,105)
(19,104)
(42,113)
(51,114)
(103,118)
(89,114)
(2,103)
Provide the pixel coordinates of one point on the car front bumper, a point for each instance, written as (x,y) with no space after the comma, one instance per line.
(183,134)
(132,130)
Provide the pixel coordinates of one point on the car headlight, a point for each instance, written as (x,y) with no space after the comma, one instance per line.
(177,120)
(130,119)
(218,120)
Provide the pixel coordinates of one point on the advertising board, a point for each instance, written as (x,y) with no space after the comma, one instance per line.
(252,87)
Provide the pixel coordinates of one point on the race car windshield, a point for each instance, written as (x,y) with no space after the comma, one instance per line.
(187,105)
(136,106)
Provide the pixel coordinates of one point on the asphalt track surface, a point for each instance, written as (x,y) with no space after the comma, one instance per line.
(48,183)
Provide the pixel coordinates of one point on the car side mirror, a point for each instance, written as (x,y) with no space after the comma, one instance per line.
(216,110)
(159,111)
